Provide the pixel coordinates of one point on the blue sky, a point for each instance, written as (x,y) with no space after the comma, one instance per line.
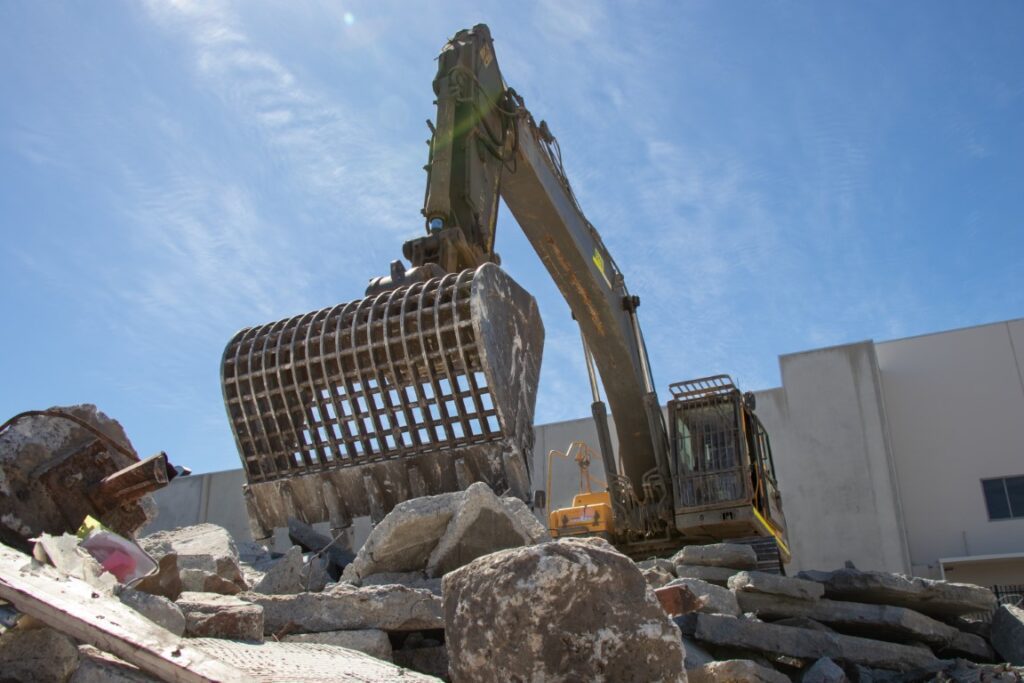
(771,177)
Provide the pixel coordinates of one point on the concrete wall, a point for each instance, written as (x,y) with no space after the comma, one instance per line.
(955,402)
(832,459)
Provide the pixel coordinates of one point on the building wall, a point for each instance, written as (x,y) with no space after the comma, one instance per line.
(956,405)
(827,428)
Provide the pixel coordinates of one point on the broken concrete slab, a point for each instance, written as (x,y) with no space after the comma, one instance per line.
(824,671)
(482,524)
(717,575)
(74,608)
(773,584)
(735,671)
(407,579)
(156,608)
(884,621)
(203,548)
(968,646)
(572,605)
(345,607)
(934,598)
(300,662)
(728,555)
(373,642)
(657,577)
(769,639)
(1008,633)
(37,654)
(713,599)
(97,666)
(284,576)
(212,615)
(536,531)
(804,622)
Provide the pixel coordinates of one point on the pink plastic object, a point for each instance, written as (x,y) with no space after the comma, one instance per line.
(119,556)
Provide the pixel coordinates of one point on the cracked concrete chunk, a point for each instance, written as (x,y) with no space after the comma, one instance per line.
(537,532)
(207,557)
(407,579)
(284,577)
(166,581)
(773,584)
(212,615)
(156,608)
(345,607)
(717,575)
(565,610)
(37,654)
(728,555)
(712,599)
(1008,633)
(934,598)
(799,643)
(373,642)
(735,671)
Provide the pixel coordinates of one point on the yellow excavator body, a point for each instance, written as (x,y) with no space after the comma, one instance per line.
(590,514)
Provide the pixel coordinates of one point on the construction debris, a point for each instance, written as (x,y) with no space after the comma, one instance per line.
(213,615)
(207,558)
(1008,633)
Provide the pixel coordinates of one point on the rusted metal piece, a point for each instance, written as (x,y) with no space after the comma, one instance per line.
(349,410)
(58,466)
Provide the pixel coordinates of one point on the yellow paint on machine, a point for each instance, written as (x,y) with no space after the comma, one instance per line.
(590,513)
(599,262)
(775,533)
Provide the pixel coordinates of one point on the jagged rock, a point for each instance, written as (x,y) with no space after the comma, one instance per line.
(166,581)
(657,577)
(97,666)
(800,643)
(728,555)
(373,642)
(344,608)
(713,599)
(934,598)
(432,661)
(573,608)
(824,671)
(537,532)
(203,549)
(407,579)
(659,563)
(213,615)
(773,584)
(436,534)
(1008,633)
(883,621)
(47,472)
(735,671)
(717,575)
(36,654)
(284,576)
(156,608)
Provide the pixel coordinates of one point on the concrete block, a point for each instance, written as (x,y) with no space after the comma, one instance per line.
(212,615)
(729,555)
(712,599)
(773,584)
(717,575)
(37,654)
(156,608)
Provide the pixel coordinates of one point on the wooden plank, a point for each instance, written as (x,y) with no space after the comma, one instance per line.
(74,608)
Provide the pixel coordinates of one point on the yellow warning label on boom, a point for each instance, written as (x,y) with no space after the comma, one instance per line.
(599,262)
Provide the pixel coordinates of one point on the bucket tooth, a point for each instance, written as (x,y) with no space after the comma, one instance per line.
(408,380)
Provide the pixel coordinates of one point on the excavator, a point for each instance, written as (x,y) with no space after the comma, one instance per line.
(428,383)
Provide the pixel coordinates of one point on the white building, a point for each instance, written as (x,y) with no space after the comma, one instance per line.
(905,456)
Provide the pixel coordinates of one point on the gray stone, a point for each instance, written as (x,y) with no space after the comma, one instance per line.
(36,654)
(824,671)
(336,555)
(969,646)
(696,655)
(573,609)
(315,576)
(156,608)
(344,608)
(897,623)
(205,548)
(728,555)
(1008,633)
(166,581)
(432,661)
(735,671)
(407,579)
(536,531)
(713,599)
(772,640)
(717,575)
(659,563)
(657,577)
(373,642)
(773,584)
(284,576)
(97,666)
(934,598)
(482,524)
(804,622)
(201,581)
(212,615)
